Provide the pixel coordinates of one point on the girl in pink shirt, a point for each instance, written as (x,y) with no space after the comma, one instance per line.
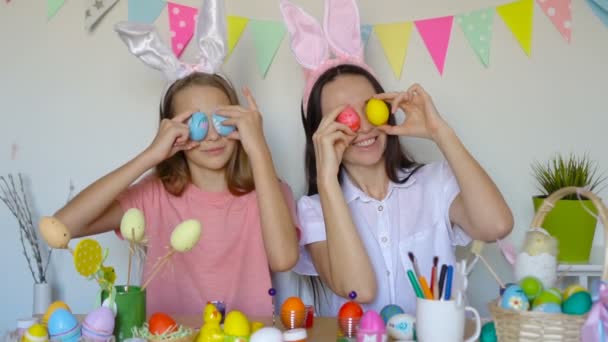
(228,183)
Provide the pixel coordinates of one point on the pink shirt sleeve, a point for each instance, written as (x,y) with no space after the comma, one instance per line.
(138,194)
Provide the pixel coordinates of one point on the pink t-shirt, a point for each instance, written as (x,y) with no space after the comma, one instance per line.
(229,262)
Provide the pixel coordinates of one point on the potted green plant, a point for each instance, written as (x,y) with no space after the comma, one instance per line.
(569,221)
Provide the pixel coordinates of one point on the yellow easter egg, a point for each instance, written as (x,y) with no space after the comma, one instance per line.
(54,233)
(133,225)
(237,324)
(87,257)
(54,306)
(572,289)
(186,235)
(36,333)
(377,112)
(255,326)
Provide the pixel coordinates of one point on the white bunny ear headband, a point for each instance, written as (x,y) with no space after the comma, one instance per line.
(144,42)
(311,44)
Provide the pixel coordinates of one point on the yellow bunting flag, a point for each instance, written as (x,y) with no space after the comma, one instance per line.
(394,39)
(236,26)
(518,18)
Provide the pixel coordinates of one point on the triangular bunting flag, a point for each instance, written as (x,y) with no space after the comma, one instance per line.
(182,22)
(518,18)
(560,13)
(95,10)
(366,31)
(236,26)
(436,34)
(145,11)
(52,7)
(477,28)
(267,37)
(600,8)
(394,39)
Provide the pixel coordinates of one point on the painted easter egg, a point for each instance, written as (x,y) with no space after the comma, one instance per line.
(488,333)
(54,306)
(401,327)
(63,326)
(186,235)
(54,233)
(577,304)
(87,257)
(572,289)
(377,112)
(514,298)
(389,311)
(161,323)
(267,334)
(371,323)
(36,333)
(350,310)
(548,308)
(220,128)
(255,326)
(133,225)
(548,296)
(293,313)
(98,325)
(531,286)
(350,118)
(198,125)
(237,324)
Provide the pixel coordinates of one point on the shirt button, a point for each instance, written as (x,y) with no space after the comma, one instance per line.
(380,208)
(384,239)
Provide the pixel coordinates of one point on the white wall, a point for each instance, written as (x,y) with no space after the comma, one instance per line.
(79,105)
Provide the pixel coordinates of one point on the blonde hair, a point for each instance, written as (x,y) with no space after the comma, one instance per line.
(174,172)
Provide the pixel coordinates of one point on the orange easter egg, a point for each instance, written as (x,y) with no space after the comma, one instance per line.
(293,313)
(293,304)
(350,310)
(161,324)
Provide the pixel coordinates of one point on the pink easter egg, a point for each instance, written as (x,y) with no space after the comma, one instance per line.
(372,322)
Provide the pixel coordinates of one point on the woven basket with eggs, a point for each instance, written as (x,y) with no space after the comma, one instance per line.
(529,326)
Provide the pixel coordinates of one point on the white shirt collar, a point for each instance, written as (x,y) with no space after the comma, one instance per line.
(352,192)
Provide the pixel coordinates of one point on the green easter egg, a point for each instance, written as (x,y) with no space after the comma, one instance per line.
(488,333)
(578,304)
(547,296)
(572,289)
(532,287)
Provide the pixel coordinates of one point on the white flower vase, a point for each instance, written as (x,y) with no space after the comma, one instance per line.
(42,298)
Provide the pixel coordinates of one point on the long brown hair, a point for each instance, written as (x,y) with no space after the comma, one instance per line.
(174,172)
(395,156)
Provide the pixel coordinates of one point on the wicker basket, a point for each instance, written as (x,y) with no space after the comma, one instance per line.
(530,326)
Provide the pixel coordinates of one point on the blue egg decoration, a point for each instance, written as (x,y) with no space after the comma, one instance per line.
(389,311)
(221,129)
(63,326)
(198,126)
(578,304)
(552,308)
(488,333)
(514,298)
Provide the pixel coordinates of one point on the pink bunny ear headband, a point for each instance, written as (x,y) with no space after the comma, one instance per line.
(144,42)
(311,44)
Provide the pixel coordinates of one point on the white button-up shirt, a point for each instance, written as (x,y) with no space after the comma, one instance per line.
(413,217)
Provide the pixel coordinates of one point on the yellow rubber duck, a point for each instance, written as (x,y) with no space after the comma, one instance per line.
(211,331)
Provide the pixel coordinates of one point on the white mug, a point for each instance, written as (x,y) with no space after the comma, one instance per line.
(438,320)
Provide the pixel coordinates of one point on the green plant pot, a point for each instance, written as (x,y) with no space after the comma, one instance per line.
(131,310)
(572,226)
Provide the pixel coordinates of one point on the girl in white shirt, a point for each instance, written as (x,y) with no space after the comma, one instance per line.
(368,203)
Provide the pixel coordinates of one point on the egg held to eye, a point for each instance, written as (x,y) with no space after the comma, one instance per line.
(350,118)
(377,112)
(198,124)
(220,128)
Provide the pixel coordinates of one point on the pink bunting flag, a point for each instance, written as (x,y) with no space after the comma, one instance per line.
(436,34)
(182,22)
(560,14)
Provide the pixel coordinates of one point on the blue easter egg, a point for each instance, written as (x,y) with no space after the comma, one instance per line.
(548,308)
(514,298)
(577,304)
(389,311)
(63,325)
(221,129)
(198,126)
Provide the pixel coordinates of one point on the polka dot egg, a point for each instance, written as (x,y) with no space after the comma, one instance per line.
(514,298)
